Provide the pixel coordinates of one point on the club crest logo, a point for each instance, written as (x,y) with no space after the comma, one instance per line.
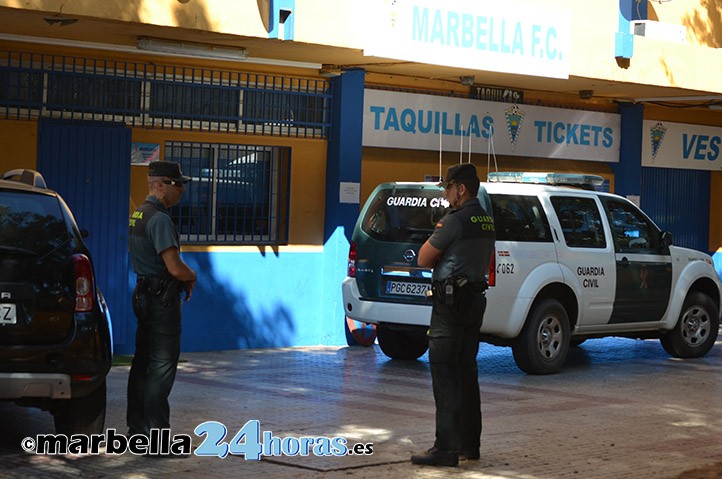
(514,119)
(657,137)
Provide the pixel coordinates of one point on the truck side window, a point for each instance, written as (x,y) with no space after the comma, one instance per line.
(520,218)
(631,230)
(580,221)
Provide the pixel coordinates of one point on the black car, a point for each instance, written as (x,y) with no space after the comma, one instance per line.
(55,330)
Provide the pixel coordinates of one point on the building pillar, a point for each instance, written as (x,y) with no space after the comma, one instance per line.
(343,186)
(628,172)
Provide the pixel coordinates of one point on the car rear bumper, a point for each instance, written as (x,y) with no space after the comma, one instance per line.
(381,311)
(24,385)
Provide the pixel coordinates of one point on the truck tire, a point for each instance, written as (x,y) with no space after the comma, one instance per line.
(543,344)
(696,330)
(81,415)
(405,344)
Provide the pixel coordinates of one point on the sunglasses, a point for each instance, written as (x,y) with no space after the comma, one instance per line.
(175,183)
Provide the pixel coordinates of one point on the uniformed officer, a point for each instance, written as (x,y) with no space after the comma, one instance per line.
(459,251)
(162,275)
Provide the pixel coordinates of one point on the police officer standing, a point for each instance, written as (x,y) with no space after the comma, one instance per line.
(459,251)
(162,275)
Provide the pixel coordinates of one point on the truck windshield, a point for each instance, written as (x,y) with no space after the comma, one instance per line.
(404,214)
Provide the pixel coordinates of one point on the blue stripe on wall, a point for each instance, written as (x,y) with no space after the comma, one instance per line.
(254,300)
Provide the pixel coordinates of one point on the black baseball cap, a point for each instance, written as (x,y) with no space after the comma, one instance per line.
(168,169)
(459,173)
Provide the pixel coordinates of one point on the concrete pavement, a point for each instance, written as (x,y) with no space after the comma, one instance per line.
(619,409)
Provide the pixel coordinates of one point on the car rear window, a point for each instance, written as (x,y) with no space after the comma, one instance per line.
(406,215)
(30,223)
(520,218)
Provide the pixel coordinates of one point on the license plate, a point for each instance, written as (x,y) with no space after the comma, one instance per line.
(8,314)
(409,289)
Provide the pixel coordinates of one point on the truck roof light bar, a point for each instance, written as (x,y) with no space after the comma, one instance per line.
(558,179)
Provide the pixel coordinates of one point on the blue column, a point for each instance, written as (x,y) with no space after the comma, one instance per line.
(281,12)
(343,160)
(624,41)
(343,164)
(628,172)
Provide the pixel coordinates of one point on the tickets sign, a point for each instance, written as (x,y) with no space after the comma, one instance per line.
(427,122)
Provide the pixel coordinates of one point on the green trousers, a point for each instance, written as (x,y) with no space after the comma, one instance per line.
(453,346)
(152,372)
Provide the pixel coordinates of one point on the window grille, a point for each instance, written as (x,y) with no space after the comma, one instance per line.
(239,194)
(188,101)
(162,96)
(80,92)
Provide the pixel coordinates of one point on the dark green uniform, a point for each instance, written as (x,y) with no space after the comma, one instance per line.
(157,341)
(466,238)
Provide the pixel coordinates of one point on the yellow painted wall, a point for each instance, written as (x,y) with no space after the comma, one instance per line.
(308,176)
(19,144)
(715,211)
(225,16)
(703,19)
(346,23)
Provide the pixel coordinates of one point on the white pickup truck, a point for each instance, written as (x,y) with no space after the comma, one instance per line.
(570,264)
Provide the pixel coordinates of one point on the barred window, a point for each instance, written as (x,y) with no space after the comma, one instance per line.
(153,95)
(79,91)
(282,108)
(21,88)
(199,102)
(239,194)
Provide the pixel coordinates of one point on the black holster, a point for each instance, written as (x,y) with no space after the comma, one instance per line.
(141,300)
(169,291)
(147,286)
(457,292)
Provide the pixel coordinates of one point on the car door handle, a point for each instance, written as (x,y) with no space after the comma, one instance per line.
(624,262)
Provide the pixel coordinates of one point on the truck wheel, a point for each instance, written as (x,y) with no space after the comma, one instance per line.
(82,415)
(696,329)
(543,344)
(358,333)
(402,343)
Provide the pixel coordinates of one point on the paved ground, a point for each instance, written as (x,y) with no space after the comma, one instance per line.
(619,409)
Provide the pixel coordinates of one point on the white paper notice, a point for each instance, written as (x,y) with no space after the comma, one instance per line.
(349,192)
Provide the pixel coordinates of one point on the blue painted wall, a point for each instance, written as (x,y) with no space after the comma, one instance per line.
(253,300)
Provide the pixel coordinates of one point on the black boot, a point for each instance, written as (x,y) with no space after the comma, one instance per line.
(470,454)
(436,457)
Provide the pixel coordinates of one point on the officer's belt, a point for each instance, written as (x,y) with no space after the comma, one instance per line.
(478,286)
(152,284)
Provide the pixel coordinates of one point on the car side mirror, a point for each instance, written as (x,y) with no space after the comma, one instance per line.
(667,238)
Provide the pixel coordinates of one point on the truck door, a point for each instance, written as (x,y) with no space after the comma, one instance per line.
(644,265)
(587,255)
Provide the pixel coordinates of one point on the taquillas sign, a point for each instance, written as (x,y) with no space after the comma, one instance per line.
(426,122)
